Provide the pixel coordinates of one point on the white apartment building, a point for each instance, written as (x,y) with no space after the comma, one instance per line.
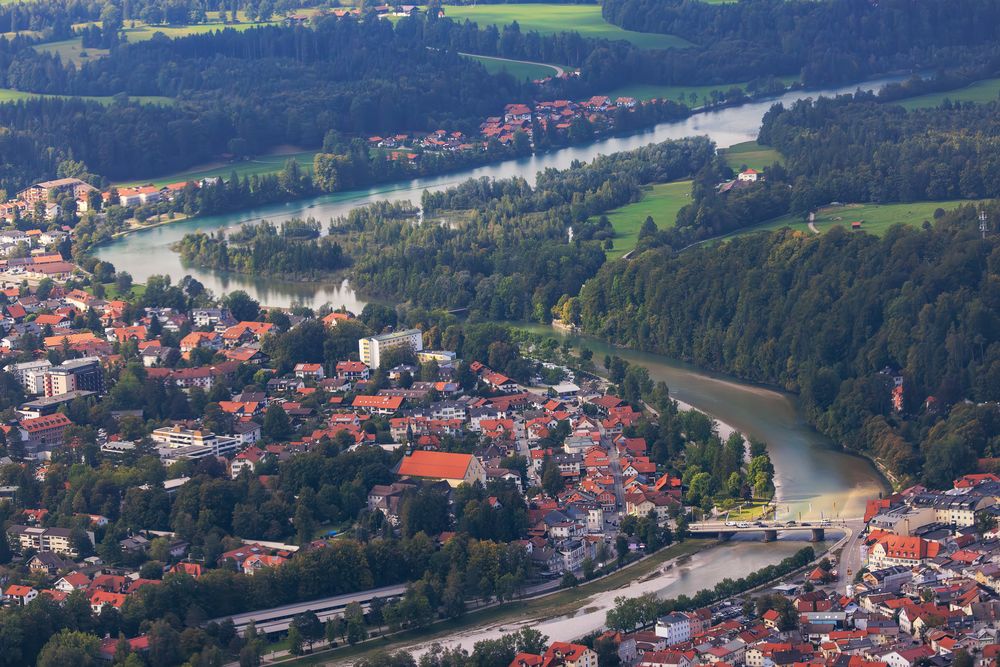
(372,349)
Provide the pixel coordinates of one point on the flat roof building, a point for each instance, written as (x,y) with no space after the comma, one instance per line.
(372,349)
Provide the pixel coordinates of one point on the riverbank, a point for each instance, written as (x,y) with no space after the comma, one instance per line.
(509,616)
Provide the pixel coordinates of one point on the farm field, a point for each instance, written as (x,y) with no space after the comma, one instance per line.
(550,18)
(661,201)
(987,90)
(751,154)
(71,51)
(263,164)
(643,91)
(876,218)
(518,70)
(11,95)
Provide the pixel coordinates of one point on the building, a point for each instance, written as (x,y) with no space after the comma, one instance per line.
(40,192)
(20,595)
(891,550)
(380,405)
(186,443)
(83,374)
(56,540)
(44,433)
(958,509)
(28,374)
(309,371)
(372,349)
(452,468)
(675,628)
(748,176)
(569,655)
(45,406)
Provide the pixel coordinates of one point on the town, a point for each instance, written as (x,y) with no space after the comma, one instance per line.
(915,584)
(573,489)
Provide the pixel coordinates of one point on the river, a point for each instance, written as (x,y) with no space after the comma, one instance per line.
(147,252)
(686,576)
(812,476)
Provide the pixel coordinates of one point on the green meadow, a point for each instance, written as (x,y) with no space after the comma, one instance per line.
(751,154)
(552,18)
(264,164)
(518,70)
(987,90)
(875,218)
(11,95)
(661,201)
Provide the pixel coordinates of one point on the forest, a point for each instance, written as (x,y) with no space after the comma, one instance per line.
(241,92)
(833,318)
(295,250)
(500,248)
(836,41)
(859,148)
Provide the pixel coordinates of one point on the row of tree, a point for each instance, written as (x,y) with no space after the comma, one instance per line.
(825,317)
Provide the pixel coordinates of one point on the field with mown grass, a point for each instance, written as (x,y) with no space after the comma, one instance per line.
(661,201)
(551,18)
(263,164)
(701,94)
(987,90)
(11,95)
(751,154)
(518,70)
(875,218)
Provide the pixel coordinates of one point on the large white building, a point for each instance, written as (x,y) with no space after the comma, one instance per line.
(372,349)
(675,628)
(177,443)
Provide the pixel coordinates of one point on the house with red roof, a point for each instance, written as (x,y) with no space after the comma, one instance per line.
(101,599)
(20,595)
(453,468)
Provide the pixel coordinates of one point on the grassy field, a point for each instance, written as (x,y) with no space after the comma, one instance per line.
(557,604)
(517,70)
(987,90)
(547,19)
(643,91)
(662,201)
(751,154)
(10,95)
(875,218)
(264,164)
(72,51)
(750,511)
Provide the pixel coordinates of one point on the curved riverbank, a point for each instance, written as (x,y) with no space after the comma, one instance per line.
(813,476)
(147,252)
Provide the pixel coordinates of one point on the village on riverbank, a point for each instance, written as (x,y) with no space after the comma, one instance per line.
(554,463)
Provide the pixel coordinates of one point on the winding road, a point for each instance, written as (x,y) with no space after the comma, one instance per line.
(559,70)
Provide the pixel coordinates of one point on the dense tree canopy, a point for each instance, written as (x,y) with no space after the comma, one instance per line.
(824,317)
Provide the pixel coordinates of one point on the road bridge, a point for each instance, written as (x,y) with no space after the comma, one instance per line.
(724,530)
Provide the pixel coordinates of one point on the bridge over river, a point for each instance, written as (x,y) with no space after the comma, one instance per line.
(726,529)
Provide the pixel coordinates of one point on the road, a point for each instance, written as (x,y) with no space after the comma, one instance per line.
(850,555)
(812,223)
(559,70)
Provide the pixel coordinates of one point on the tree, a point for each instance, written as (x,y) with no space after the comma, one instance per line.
(962,659)
(276,425)
(648,228)
(310,627)
(295,641)
(242,306)
(70,649)
(552,479)
(123,282)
